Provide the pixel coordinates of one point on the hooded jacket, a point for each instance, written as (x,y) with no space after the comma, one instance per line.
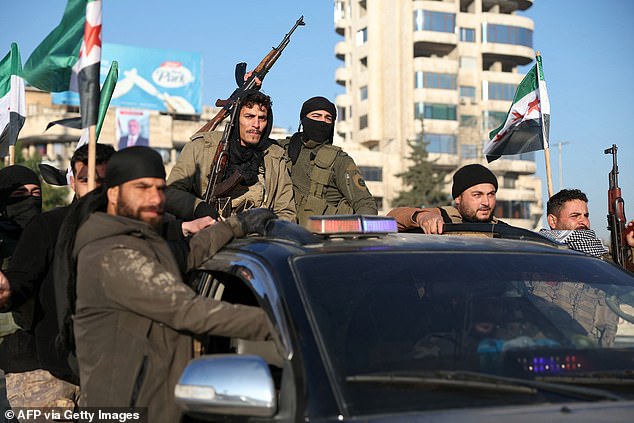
(134,313)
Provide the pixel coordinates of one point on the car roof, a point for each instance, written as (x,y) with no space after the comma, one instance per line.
(296,240)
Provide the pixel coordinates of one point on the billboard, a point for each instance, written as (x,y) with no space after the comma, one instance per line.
(164,80)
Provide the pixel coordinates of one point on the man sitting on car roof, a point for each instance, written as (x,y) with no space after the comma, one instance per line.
(474,189)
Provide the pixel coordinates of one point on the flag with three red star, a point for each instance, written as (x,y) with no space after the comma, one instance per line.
(527,123)
(69,57)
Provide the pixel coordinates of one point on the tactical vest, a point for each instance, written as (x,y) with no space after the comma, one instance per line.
(313,202)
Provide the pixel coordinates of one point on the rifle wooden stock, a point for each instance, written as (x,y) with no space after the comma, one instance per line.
(215,121)
(616,215)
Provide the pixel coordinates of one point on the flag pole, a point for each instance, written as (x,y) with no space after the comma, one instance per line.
(544,104)
(11,155)
(549,177)
(92,156)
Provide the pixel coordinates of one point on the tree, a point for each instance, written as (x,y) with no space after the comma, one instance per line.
(424,181)
(51,196)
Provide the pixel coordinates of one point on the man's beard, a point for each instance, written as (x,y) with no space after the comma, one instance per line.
(473,217)
(124,209)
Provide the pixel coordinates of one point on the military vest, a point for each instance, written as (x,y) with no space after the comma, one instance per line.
(313,202)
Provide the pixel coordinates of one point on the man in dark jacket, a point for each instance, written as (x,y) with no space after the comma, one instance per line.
(48,381)
(474,192)
(325,179)
(20,202)
(133,314)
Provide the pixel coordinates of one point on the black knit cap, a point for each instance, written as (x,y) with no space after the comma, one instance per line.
(318,103)
(133,163)
(470,175)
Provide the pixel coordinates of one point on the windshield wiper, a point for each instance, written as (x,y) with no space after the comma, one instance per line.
(625,377)
(478,381)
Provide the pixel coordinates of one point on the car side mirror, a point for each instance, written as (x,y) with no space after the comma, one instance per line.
(227,384)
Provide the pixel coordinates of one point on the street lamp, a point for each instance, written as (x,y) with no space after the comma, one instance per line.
(559,150)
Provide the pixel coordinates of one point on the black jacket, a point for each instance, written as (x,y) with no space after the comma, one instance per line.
(31,277)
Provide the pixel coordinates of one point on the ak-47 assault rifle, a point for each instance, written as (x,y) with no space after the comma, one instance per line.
(616,215)
(220,184)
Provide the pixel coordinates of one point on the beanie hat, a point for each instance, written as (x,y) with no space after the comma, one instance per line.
(470,175)
(318,103)
(134,163)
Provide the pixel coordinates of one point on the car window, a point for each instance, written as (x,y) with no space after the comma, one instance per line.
(527,316)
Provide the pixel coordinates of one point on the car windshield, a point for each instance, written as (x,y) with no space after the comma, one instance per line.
(465,327)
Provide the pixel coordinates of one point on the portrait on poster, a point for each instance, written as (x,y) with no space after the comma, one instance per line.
(133,127)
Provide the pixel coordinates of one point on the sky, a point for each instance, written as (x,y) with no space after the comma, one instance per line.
(587,48)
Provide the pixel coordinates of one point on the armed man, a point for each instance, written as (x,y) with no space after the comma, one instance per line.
(568,219)
(325,179)
(264,179)
(474,191)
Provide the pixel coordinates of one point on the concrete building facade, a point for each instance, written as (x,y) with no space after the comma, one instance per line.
(443,71)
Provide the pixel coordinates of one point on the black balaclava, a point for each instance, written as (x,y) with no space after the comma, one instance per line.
(314,130)
(18,209)
(247,159)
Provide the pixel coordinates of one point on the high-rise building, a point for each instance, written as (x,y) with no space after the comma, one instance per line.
(444,72)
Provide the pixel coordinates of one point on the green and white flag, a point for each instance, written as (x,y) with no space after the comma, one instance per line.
(12,102)
(69,57)
(527,123)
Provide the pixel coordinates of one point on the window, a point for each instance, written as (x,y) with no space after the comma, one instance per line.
(504,34)
(500,91)
(467,91)
(372,173)
(363,63)
(440,143)
(469,121)
(341,113)
(435,111)
(468,151)
(425,20)
(363,93)
(467,35)
(446,81)
(363,122)
(509,180)
(468,63)
(362,36)
(493,119)
(513,209)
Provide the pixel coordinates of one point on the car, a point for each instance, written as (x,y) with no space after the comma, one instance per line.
(488,322)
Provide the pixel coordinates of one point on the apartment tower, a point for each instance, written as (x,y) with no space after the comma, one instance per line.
(443,71)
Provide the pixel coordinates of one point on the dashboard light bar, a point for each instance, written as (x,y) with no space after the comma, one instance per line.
(351,224)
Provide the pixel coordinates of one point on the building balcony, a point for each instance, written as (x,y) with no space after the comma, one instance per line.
(522,167)
(342,75)
(340,25)
(343,100)
(432,43)
(343,126)
(505,6)
(341,49)
(508,54)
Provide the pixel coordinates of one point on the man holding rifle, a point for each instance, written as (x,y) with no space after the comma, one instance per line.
(265,181)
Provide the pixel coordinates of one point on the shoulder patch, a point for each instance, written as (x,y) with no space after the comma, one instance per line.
(358,180)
